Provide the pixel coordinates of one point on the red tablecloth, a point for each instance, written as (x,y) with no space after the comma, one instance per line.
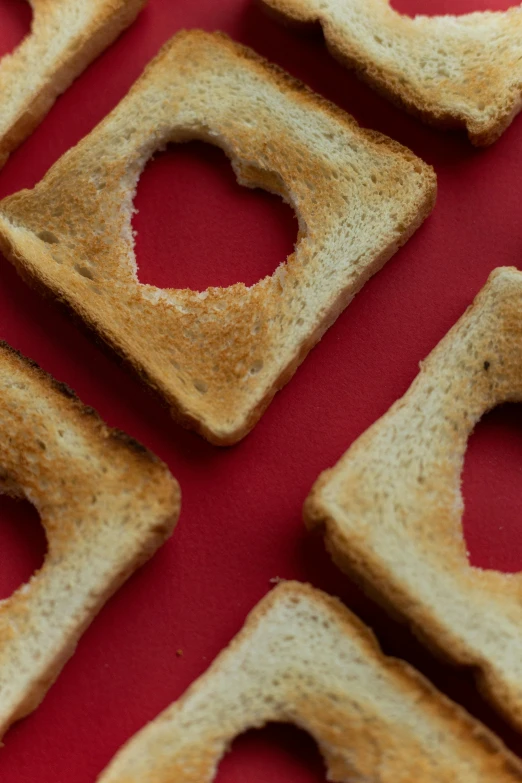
(241,518)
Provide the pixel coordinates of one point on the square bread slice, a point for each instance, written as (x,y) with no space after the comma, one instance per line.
(219,356)
(451,71)
(106,505)
(66,35)
(391,509)
(303,658)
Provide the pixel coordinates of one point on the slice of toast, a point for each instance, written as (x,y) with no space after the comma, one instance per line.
(303,658)
(66,35)
(392,507)
(218,357)
(106,505)
(451,71)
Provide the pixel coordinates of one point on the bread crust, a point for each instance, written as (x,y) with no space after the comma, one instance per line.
(391,509)
(218,357)
(51,57)
(303,658)
(449,71)
(106,504)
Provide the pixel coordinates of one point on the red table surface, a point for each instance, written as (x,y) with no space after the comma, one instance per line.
(240,524)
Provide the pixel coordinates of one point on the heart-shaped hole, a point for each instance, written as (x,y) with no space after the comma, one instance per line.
(277,753)
(23,544)
(492,490)
(454,7)
(197,227)
(15,23)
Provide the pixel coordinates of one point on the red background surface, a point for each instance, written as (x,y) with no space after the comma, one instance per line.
(241,518)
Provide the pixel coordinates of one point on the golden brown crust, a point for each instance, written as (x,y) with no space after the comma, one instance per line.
(391,508)
(218,357)
(460,75)
(302,657)
(41,68)
(106,504)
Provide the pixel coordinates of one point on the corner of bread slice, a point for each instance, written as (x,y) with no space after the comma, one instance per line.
(470,80)
(106,504)
(498,302)
(489,122)
(303,658)
(65,37)
(219,356)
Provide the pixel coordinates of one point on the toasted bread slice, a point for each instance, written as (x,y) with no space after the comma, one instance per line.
(106,505)
(303,658)
(218,357)
(392,507)
(451,71)
(66,35)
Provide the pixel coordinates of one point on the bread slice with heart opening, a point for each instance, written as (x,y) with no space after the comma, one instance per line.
(66,36)
(106,505)
(303,658)
(391,509)
(219,356)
